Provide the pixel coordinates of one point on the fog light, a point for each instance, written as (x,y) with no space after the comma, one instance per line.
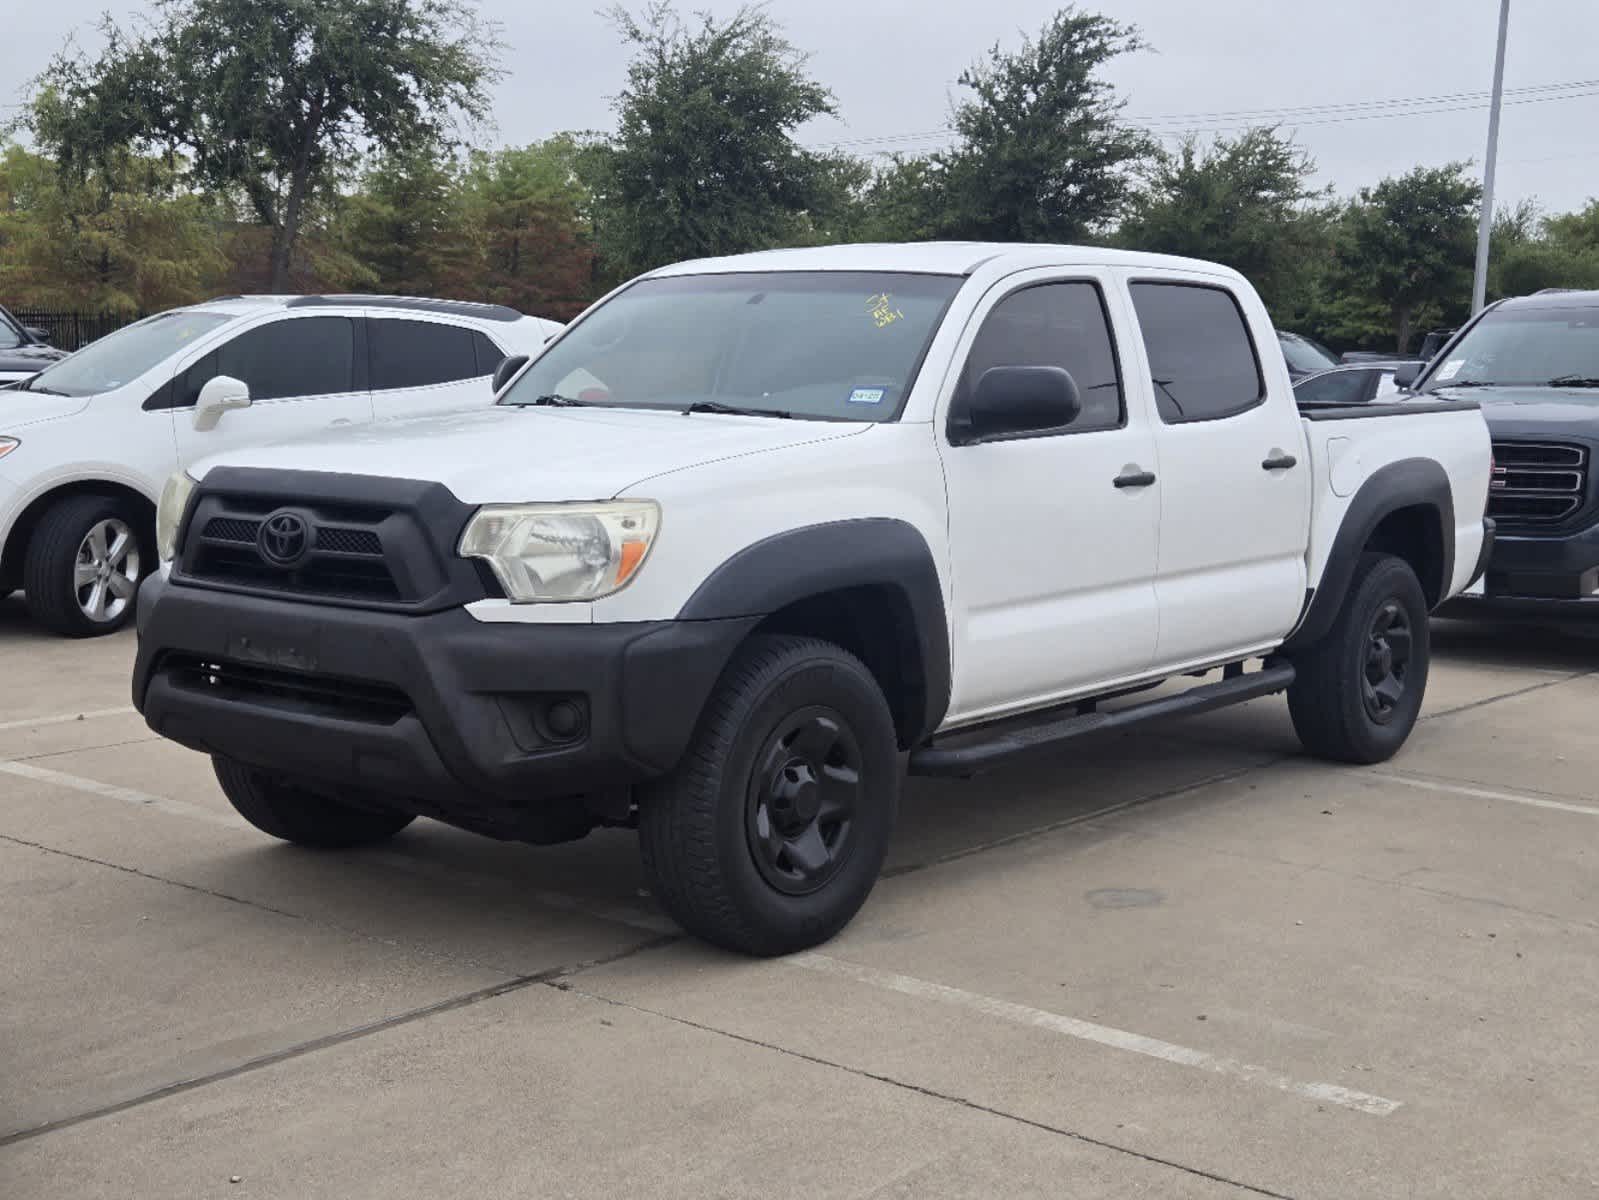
(564,720)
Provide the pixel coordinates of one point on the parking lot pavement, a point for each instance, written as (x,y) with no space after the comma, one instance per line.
(1187,963)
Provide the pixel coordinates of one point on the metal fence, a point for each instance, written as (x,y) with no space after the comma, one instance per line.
(74,330)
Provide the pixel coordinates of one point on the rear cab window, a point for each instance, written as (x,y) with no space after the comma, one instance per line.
(1202,358)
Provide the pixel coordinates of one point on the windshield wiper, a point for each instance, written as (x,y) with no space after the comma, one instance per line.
(552,400)
(1464,383)
(27,386)
(1574,381)
(716,406)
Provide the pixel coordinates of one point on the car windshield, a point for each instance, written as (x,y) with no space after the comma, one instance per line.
(1525,347)
(123,356)
(1305,355)
(822,345)
(10,335)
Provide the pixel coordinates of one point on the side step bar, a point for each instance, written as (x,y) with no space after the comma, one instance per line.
(967,752)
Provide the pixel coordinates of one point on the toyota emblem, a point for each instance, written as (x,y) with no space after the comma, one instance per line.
(284,540)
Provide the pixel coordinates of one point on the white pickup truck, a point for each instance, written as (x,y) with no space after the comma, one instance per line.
(753,528)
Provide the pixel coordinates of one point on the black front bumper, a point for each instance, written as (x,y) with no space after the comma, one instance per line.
(1552,577)
(440,712)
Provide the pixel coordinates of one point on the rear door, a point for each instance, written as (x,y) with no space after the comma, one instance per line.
(1052,534)
(1234,486)
(424,366)
(305,374)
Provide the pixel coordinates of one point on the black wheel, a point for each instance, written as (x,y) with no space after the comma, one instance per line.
(84,564)
(276,806)
(1359,689)
(769,835)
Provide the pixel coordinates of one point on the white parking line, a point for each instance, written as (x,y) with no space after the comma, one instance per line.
(66,718)
(1088,1031)
(1460,789)
(95,787)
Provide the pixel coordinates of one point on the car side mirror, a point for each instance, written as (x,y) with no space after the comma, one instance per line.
(1406,374)
(1010,401)
(506,371)
(37,334)
(220,394)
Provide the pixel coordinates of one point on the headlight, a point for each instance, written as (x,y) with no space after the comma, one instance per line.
(562,551)
(7,445)
(169,514)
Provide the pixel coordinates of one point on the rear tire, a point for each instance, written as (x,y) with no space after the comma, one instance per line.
(276,806)
(84,564)
(1359,690)
(771,832)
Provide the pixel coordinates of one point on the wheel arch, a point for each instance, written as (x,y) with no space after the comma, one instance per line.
(870,586)
(21,531)
(1406,509)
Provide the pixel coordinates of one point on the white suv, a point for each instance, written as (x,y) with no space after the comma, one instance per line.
(86,444)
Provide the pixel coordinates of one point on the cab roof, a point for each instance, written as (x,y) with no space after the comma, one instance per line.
(934,258)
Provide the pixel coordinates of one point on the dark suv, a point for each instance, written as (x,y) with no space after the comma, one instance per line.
(24,350)
(1533,363)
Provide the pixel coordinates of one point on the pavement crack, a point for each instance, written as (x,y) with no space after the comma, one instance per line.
(327,1041)
(1511,695)
(921,1090)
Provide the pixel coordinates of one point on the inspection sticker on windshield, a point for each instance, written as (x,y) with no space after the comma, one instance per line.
(1451,368)
(867,396)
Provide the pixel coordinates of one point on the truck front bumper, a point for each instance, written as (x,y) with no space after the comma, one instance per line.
(1544,577)
(472,723)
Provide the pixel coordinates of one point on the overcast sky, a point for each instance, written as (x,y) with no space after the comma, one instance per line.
(1214,63)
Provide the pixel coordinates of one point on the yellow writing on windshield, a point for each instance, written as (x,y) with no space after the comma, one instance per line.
(881,306)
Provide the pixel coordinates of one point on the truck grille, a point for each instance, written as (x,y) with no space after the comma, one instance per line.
(345,562)
(342,699)
(1537,483)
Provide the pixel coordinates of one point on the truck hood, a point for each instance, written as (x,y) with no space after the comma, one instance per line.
(19,409)
(508,455)
(1536,411)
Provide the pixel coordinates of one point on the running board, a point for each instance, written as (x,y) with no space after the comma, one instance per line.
(967,752)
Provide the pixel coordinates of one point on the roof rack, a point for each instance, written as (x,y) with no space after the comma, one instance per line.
(458,308)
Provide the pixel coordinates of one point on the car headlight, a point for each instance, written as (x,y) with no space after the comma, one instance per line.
(169,514)
(562,551)
(7,445)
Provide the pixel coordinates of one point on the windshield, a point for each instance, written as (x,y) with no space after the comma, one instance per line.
(1523,347)
(123,356)
(10,335)
(823,345)
(1305,355)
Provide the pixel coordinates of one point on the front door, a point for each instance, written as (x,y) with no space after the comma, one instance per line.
(1052,536)
(303,376)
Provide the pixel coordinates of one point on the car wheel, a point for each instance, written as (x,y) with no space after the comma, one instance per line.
(83,566)
(277,806)
(1359,690)
(771,832)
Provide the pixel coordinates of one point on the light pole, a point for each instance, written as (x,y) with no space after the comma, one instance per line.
(1479,282)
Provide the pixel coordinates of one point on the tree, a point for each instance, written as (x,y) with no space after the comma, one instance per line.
(529,210)
(406,226)
(704,160)
(268,99)
(1042,153)
(1411,242)
(1243,202)
(123,238)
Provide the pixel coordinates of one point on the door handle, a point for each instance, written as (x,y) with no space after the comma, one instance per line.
(1279,462)
(1134,478)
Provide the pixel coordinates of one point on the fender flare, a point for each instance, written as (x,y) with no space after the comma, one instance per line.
(813,560)
(1408,483)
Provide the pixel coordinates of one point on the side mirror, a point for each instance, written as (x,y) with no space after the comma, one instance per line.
(37,334)
(1406,374)
(1017,400)
(219,395)
(507,369)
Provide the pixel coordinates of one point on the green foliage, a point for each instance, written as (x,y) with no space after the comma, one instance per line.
(704,160)
(122,238)
(1243,202)
(1410,243)
(1042,153)
(268,99)
(405,226)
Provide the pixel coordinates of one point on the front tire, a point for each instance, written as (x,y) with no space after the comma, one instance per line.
(1358,691)
(771,832)
(276,806)
(84,564)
